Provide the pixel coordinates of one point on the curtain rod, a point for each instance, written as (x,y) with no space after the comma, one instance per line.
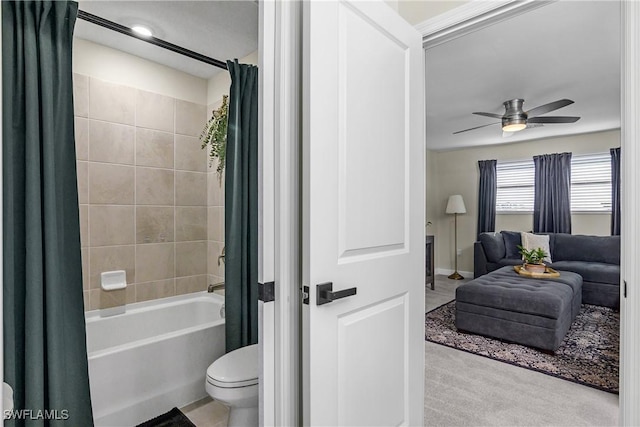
(94,19)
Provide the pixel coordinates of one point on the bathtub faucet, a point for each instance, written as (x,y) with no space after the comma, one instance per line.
(214,287)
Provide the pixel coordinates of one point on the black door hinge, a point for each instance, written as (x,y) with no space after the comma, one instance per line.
(266,291)
(624,290)
(305,295)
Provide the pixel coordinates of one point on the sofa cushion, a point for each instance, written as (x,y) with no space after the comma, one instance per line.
(604,294)
(604,249)
(591,271)
(511,241)
(493,245)
(508,261)
(535,241)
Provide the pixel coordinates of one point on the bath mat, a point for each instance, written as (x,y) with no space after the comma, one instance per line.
(588,354)
(173,418)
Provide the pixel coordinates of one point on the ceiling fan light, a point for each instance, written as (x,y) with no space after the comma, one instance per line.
(514,127)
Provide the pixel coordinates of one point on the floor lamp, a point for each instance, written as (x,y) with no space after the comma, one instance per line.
(455,206)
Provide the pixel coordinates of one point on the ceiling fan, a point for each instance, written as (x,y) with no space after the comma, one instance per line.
(516,119)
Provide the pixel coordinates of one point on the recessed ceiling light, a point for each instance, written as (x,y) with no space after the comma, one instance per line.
(142,31)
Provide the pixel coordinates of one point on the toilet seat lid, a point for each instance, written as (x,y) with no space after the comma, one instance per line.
(238,368)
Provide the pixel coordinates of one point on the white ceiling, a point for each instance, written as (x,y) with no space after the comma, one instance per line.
(218,29)
(567,49)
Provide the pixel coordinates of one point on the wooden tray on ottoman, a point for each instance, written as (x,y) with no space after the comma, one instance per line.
(549,273)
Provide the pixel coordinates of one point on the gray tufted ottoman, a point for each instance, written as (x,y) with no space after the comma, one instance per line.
(533,312)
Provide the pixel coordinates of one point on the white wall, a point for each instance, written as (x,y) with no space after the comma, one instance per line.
(417,11)
(393,4)
(114,66)
(431,197)
(456,172)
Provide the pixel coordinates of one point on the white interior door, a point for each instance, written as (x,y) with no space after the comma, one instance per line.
(363,215)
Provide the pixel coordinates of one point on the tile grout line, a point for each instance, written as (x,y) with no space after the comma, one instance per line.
(89,193)
(175,190)
(135,199)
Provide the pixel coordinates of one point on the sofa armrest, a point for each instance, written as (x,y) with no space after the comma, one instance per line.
(479,260)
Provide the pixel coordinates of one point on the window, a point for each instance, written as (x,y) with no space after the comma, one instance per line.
(515,186)
(590,184)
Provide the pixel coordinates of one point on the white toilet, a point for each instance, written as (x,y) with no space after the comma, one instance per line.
(233,381)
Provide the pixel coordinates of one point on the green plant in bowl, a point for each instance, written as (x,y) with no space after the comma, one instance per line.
(533,259)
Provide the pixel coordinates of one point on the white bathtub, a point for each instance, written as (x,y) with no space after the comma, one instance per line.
(153,357)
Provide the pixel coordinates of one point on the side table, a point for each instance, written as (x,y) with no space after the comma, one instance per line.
(429,264)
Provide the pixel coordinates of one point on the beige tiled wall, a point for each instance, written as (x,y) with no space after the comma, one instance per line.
(215,218)
(148,204)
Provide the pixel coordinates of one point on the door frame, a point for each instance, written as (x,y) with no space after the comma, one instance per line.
(266,224)
(1,247)
(630,143)
(475,15)
(279,164)
(284,78)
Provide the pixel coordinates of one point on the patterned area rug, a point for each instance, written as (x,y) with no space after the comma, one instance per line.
(588,355)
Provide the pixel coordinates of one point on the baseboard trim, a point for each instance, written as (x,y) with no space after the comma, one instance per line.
(446,272)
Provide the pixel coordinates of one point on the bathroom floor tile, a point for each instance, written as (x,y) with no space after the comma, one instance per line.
(207,413)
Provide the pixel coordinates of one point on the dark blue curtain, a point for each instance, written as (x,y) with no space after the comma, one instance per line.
(241,208)
(615,191)
(45,355)
(552,194)
(487,189)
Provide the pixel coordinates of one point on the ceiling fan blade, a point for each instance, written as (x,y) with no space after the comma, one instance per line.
(553,119)
(534,112)
(492,115)
(477,127)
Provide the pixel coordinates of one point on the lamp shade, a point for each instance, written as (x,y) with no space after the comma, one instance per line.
(455,205)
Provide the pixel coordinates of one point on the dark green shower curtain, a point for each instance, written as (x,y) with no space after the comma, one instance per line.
(241,208)
(45,356)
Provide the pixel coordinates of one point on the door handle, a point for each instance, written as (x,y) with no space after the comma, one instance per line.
(325,294)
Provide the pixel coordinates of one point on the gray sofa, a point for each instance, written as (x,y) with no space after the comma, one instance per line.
(595,258)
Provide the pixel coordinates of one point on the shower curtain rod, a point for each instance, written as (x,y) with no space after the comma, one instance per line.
(94,19)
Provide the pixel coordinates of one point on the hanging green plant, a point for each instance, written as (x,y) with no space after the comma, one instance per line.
(214,135)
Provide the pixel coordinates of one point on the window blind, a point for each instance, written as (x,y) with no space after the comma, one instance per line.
(590,184)
(515,186)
